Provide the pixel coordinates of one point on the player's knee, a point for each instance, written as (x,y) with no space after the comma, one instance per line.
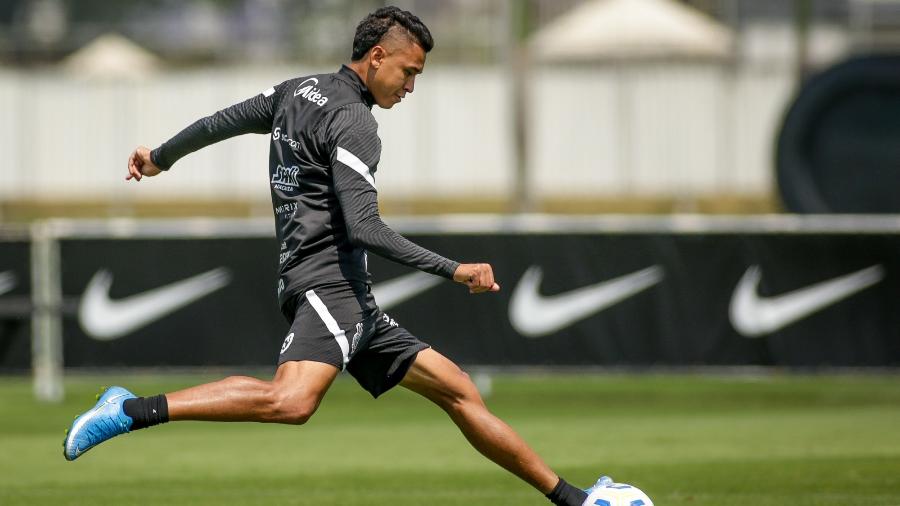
(299,415)
(461,394)
(291,407)
(297,411)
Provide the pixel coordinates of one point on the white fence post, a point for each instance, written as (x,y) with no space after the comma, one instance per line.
(46,319)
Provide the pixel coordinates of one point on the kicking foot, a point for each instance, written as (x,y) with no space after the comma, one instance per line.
(604,481)
(606,492)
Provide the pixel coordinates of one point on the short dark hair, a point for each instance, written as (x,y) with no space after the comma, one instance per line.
(371,30)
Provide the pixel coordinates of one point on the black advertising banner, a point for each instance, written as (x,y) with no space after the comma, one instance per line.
(664,299)
(172,302)
(15,307)
(567,299)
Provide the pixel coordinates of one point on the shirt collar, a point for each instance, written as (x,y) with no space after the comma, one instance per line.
(350,76)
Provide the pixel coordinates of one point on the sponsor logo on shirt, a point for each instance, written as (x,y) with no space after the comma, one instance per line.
(285,254)
(307,89)
(278,136)
(285,178)
(288,208)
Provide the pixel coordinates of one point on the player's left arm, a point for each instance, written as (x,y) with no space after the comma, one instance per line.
(254,115)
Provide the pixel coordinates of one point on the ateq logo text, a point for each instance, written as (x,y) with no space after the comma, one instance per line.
(307,89)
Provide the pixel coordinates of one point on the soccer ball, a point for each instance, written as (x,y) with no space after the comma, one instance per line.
(608,493)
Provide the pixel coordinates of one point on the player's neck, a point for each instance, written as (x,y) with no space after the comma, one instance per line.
(361,68)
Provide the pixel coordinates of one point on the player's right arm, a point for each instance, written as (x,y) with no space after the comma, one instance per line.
(478,277)
(254,115)
(355,157)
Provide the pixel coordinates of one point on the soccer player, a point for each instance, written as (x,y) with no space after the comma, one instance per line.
(324,152)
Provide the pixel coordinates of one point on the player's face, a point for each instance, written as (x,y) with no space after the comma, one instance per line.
(395,74)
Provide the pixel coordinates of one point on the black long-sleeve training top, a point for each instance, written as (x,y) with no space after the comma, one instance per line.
(324,153)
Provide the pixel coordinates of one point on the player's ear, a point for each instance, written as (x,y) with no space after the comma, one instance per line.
(376,56)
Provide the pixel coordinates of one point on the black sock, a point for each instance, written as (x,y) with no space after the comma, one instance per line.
(147,411)
(564,494)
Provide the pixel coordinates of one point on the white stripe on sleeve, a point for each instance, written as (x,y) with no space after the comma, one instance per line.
(350,160)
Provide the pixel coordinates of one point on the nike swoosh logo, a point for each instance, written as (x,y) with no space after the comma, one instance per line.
(7,281)
(754,316)
(534,315)
(105,319)
(396,291)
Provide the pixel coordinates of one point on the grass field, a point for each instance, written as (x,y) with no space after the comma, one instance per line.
(685,440)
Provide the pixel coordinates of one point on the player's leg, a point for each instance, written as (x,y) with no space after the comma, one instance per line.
(438,379)
(312,355)
(394,356)
(291,397)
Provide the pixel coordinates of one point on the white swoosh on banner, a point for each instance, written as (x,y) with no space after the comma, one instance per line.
(534,315)
(398,290)
(7,281)
(754,316)
(105,319)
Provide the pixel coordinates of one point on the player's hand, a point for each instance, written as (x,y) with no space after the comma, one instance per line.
(478,277)
(140,165)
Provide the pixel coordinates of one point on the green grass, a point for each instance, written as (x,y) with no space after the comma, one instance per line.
(685,440)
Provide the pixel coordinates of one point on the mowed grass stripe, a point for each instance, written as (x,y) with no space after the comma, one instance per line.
(685,439)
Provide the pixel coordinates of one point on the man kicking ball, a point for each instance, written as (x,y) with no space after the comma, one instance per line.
(324,153)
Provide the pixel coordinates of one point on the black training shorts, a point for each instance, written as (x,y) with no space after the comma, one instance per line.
(340,324)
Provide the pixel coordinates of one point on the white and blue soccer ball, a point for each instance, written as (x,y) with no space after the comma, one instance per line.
(608,493)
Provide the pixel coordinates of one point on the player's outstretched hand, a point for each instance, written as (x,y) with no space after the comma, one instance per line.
(140,165)
(478,277)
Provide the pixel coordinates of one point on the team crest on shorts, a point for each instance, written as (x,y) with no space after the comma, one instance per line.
(287,342)
(388,320)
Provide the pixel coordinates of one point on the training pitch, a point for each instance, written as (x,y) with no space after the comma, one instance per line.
(684,439)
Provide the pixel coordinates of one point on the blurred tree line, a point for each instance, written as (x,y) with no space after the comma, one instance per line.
(189,32)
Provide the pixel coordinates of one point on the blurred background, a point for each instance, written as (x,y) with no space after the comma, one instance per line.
(557,106)
(538,121)
(691,206)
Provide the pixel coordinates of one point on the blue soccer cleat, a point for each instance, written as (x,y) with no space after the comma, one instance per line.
(604,481)
(105,420)
(606,492)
